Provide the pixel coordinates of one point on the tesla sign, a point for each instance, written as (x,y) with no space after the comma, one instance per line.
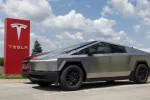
(16,48)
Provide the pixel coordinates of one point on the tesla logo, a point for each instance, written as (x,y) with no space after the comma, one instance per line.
(17,47)
(18,27)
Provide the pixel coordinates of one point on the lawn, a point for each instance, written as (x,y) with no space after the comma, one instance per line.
(9,76)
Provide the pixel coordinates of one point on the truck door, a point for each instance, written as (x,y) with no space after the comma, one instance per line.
(119,61)
(98,61)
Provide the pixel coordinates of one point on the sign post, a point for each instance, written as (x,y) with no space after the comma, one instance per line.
(16,44)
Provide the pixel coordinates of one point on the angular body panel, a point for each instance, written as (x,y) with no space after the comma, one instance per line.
(98,60)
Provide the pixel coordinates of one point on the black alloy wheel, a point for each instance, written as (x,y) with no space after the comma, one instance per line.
(71,78)
(141,74)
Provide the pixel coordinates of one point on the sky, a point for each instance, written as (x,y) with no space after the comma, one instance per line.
(59,23)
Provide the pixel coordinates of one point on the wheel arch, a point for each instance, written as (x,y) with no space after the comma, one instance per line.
(140,62)
(78,63)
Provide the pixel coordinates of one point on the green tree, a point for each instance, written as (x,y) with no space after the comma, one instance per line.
(37,48)
(1,61)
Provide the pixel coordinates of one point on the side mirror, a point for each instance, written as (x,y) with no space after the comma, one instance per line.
(90,54)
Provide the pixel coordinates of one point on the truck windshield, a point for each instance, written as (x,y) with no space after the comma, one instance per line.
(71,48)
(60,51)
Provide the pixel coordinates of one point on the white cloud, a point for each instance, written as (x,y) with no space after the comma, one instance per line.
(145,49)
(143,8)
(77,22)
(35,10)
(107,10)
(54,0)
(72,20)
(1,39)
(74,27)
(46,44)
(126,8)
(1,24)
(69,36)
(66,38)
(1,4)
(145,21)
(148,37)
(137,28)
(71,3)
(88,6)
(2,49)
(103,27)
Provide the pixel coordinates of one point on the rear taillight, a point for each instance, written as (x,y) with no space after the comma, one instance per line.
(26,67)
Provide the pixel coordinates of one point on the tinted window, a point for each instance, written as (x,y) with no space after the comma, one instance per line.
(116,49)
(99,48)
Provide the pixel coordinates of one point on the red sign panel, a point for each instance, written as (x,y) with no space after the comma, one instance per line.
(16,44)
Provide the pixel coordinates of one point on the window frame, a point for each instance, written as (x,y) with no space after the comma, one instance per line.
(116,46)
(107,51)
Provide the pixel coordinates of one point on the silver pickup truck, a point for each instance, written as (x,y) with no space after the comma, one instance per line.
(88,62)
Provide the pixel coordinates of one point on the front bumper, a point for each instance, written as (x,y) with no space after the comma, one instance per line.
(52,77)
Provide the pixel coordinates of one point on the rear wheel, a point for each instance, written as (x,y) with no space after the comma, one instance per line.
(44,84)
(71,78)
(141,74)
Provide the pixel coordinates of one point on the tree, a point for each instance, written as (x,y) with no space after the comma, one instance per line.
(1,61)
(37,48)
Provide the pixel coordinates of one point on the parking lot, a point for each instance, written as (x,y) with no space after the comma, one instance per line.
(122,90)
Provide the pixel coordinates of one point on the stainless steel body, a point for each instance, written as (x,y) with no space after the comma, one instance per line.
(96,65)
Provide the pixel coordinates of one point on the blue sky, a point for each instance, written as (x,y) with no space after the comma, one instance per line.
(88,8)
(93,10)
(59,23)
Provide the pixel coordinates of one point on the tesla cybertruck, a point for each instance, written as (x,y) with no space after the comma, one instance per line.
(90,61)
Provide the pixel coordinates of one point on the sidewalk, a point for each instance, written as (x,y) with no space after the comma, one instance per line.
(9,81)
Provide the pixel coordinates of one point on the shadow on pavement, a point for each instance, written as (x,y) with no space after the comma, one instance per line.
(88,85)
(51,88)
(29,82)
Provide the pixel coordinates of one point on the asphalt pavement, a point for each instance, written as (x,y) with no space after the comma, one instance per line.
(122,90)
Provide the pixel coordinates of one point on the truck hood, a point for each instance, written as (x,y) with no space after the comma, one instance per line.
(49,57)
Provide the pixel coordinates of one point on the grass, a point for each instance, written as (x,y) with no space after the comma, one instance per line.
(9,76)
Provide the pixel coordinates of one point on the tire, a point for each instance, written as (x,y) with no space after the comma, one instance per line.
(111,81)
(44,84)
(71,78)
(32,80)
(141,74)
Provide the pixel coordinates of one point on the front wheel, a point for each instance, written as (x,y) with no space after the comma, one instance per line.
(71,78)
(141,74)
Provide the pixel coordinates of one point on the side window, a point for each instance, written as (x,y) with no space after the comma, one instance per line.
(99,48)
(116,49)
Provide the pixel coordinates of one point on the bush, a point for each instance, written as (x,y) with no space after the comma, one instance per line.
(1,61)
